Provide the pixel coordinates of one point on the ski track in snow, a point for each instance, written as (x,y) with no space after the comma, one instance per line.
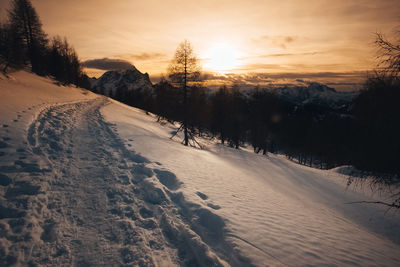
(77,197)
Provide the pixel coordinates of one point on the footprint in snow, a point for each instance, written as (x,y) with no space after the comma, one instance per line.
(130,213)
(138,158)
(49,233)
(127,255)
(140,171)
(117,211)
(213,206)
(201,195)
(4,180)
(3,144)
(124,179)
(145,213)
(6,212)
(147,224)
(212,222)
(205,197)
(22,188)
(168,179)
(17,225)
(155,245)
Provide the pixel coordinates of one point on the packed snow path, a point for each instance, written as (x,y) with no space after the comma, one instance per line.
(87,202)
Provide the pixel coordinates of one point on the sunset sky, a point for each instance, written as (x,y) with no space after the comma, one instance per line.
(255,41)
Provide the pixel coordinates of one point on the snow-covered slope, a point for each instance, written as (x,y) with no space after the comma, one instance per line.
(275,212)
(88,181)
(126,80)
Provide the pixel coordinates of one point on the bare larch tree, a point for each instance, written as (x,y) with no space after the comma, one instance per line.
(183,71)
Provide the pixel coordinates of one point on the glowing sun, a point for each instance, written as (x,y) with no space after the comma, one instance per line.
(221,58)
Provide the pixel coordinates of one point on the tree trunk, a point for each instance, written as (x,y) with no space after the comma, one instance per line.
(5,67)
(185,105)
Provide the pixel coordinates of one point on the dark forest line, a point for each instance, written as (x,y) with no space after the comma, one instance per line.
(365,134)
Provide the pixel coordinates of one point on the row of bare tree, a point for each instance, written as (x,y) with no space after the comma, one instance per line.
(367,136)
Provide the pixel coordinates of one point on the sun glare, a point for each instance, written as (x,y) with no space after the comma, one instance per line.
(221,58)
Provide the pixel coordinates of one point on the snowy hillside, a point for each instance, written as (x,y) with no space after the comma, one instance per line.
(86,181)
(126,80)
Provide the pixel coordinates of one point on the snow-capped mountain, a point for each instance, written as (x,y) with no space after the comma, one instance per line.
(129,79)
(314,93)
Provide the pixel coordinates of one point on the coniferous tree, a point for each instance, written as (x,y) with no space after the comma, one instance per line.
(23,41)
(11,48)
(165,101)
(220,113)
(63,63)
(197,110)
(27,26)
(237,117)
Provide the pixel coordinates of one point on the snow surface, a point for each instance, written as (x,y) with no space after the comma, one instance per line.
(85,180)
(276,212)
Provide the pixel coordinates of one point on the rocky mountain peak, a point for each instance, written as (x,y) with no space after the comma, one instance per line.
(128,79)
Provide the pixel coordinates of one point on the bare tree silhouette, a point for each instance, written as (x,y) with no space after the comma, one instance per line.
(183,71)
(388,55)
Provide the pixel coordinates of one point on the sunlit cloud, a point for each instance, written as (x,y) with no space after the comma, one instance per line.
(276,41)
(107,64)
(345,81)
(290,54)
(147,56)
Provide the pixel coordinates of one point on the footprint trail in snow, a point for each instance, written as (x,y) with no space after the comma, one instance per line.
(77,197)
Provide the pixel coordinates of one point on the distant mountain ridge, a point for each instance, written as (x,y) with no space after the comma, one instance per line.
(127,80)
(314,93)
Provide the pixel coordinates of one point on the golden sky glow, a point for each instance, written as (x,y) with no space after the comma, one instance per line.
(221,58)
(261,36)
